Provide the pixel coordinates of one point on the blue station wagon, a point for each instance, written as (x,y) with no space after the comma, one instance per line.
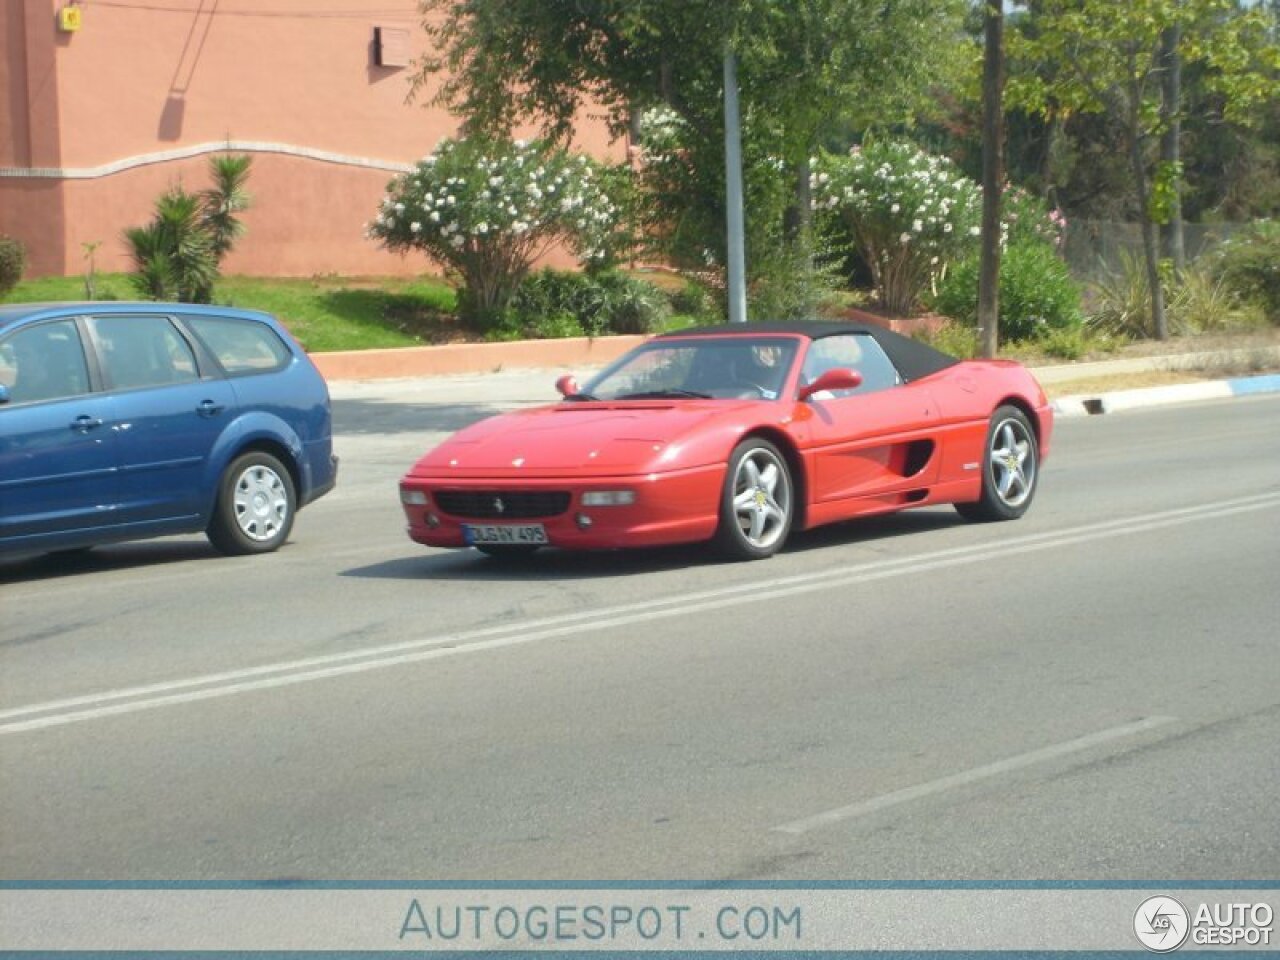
(122,421)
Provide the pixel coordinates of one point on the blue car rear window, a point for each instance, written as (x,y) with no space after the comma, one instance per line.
(241,346)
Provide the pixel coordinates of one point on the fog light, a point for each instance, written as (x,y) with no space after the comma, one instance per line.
(413,498)
(608,498)
(583,521)
(433,521)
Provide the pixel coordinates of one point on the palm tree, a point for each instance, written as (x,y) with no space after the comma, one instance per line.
(227,197)
(174,254)
(178,254)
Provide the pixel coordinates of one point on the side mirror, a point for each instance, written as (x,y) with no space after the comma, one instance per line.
(839,378)
(567,385)
(4,394)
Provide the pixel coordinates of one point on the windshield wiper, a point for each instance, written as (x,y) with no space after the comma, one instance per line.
(579,398)
(666,394)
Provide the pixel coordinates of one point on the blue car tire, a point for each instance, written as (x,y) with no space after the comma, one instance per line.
(255,506)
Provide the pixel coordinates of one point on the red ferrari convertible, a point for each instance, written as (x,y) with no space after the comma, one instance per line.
(738,435)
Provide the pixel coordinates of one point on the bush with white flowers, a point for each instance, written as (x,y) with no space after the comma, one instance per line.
(488,210)
(907,212)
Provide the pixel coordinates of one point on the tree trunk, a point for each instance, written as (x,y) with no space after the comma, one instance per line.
(992,176)
(1170,143)
(799,214)
(1149,247)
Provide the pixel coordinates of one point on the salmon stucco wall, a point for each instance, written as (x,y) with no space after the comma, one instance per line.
(95,124)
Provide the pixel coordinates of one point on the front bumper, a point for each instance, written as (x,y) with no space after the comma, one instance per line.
(677,507)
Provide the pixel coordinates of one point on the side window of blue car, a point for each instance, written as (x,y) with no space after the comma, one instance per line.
(44,362)
(241,346)
(143,351)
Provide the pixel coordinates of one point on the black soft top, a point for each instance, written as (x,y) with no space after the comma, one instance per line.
(912,358)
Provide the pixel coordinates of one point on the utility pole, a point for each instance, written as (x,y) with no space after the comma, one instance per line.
(733,190)
(992,177)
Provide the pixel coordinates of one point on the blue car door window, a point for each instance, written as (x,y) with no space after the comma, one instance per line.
(45,362)
(143,352)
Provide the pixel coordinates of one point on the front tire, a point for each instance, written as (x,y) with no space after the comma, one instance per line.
(255,506)
(1010,469)
(757,502)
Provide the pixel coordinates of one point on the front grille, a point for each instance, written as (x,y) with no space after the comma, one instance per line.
(503,504)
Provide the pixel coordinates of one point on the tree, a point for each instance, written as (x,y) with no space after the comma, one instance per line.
(908,214)
(802,64)
(227,197)
(487,209)
(1104,56)
(173,255)
(177,256)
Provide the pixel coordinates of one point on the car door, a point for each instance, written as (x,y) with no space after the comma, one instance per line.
(57,451)
(877,439)
(169,413)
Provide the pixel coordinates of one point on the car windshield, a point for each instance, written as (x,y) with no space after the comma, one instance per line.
(700,367)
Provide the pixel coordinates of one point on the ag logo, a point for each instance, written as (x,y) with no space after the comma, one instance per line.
(1161,924)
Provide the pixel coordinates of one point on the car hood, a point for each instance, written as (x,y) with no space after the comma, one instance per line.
(579,438)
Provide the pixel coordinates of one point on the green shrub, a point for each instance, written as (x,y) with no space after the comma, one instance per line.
(1200,303)
(487,209)
(905,212)
(1066,343)
(791,280)
(630,305)
(1037,293)
(1204,298)
(1249,263)
(13,260)
(1120,301)
(1026,218)
(694,300)
(954,338)
(557,303)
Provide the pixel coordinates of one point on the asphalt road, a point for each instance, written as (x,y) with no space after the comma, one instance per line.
(1091,692)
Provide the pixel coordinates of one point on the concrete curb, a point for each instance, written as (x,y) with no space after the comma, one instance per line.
(1205,360)
(1083,405)
(462,358)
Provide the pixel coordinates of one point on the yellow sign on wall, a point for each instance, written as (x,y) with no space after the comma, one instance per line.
(69,19)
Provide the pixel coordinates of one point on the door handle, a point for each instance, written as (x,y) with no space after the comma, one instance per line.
(85,423)
(210,409)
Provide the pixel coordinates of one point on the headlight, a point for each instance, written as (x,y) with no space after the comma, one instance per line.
(608,498)
(413,498)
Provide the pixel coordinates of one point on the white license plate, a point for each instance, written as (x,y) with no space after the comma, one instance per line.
(504,533)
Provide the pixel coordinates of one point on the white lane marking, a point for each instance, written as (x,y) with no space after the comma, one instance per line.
(908,794)
(287,673)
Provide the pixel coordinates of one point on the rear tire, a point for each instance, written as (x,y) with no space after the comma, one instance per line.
(255,506)
(757,502)
(1010,469)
